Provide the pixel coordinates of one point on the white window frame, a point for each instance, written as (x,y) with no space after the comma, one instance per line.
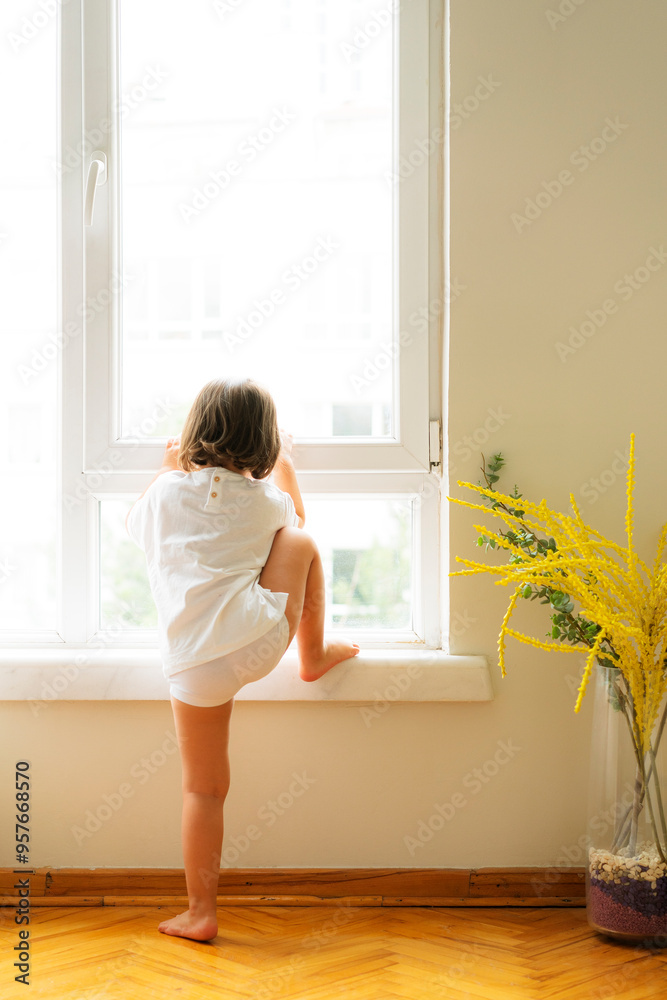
(96,464)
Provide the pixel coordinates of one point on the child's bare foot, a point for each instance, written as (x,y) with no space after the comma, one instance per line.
(312,668)
(199,928)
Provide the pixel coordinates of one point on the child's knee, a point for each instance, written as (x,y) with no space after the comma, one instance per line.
(213,787)
(307,542)
(295,537)
(284,534)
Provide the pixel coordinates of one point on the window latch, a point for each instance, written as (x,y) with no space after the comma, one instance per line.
(97,174)
(434,443)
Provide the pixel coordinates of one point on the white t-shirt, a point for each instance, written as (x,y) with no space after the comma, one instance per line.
(207,535)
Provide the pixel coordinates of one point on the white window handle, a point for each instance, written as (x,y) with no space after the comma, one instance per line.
(97,174)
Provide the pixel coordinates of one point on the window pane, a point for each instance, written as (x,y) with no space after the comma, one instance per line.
(125,595)
(256,214)
(28,317)
(366,549)
(352,419)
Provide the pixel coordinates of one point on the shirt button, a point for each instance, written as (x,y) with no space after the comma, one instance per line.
(214,494)
(216,479)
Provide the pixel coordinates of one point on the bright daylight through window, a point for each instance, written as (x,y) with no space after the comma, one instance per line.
(28,326)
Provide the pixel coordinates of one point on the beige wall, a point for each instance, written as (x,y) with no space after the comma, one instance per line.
(562,424)
(569,413)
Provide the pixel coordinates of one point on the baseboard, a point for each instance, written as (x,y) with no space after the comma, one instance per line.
(303,886)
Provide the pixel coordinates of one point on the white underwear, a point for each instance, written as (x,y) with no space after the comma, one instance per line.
(217,681)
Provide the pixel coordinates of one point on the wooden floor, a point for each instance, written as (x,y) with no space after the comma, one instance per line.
(322,952)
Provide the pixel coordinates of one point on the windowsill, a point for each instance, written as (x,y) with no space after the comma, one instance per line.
(136,675)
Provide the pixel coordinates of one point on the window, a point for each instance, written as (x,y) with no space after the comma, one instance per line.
(233,196)
(28,323)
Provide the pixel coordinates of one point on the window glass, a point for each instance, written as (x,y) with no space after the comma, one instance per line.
(125,596)
(29,335)
(366,548)
(256,215)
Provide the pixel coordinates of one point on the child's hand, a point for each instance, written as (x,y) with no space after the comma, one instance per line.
(286,444)
(170,457)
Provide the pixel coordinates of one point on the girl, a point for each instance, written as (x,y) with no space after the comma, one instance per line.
(234,579)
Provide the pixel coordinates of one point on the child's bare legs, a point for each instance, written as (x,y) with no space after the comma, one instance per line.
(203,737)
(294,567)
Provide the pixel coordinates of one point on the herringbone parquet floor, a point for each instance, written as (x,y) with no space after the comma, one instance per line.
(323,952)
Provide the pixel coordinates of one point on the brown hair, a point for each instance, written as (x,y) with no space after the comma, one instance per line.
(231,420)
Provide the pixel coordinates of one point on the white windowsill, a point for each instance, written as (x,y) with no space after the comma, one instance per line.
(82,674)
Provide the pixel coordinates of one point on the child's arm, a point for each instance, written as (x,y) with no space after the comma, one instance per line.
(285,477)
(169,463)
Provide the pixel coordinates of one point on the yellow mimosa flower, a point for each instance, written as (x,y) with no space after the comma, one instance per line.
(613,586)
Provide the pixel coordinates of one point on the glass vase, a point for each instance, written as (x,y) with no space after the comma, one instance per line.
(626,877)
